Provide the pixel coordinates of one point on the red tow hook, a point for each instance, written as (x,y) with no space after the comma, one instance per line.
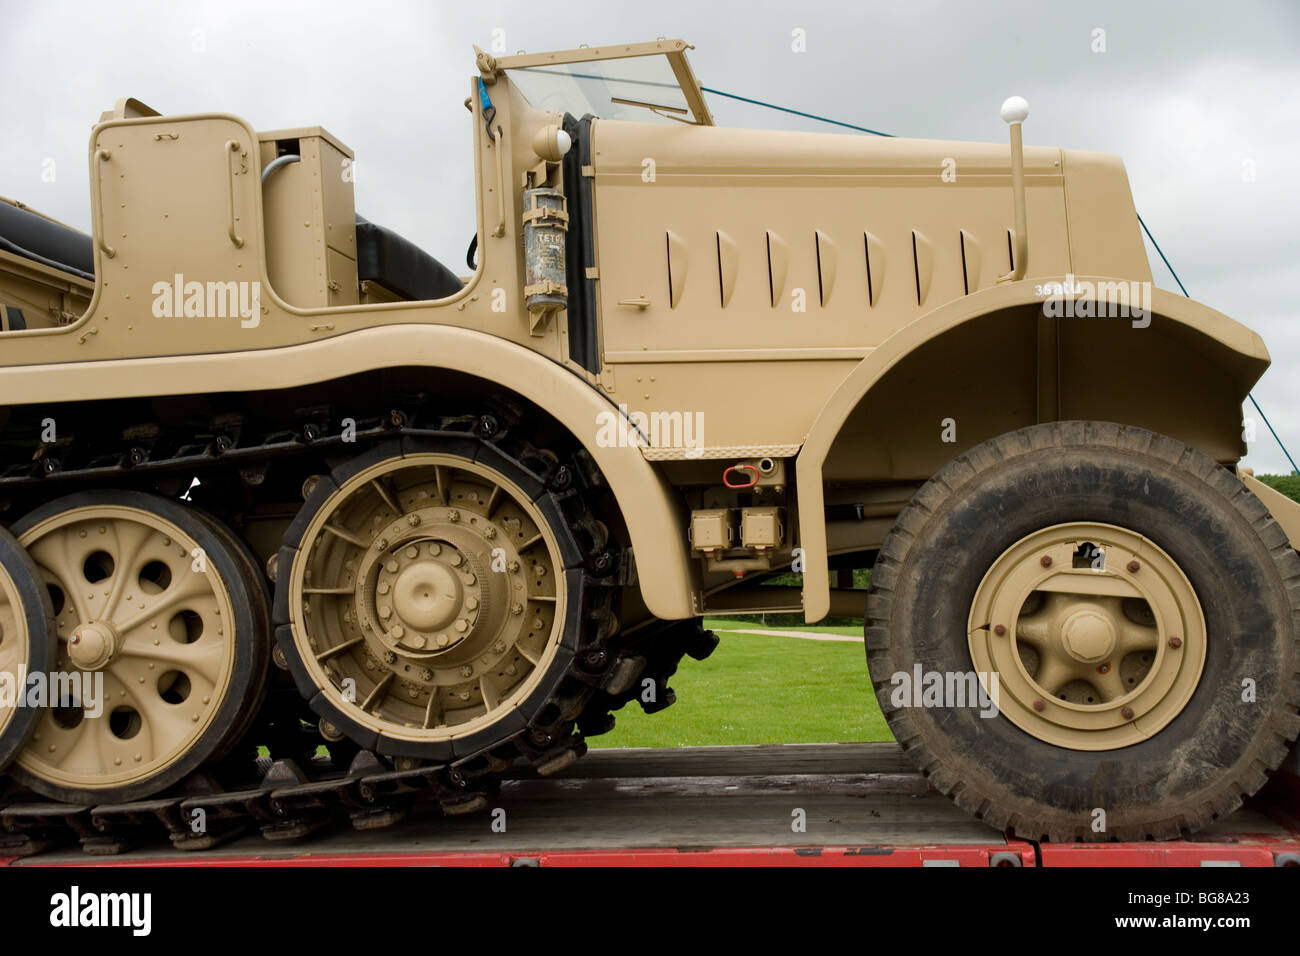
(748,484)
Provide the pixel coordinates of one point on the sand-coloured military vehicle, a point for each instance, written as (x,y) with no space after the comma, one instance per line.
(274,477)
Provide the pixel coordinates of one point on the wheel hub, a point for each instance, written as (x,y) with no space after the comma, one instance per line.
(93,645)
(1088,635)
(427,592)
(1095,635)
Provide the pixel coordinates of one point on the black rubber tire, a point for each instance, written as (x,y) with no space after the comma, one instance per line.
(260,605)
(37,616)
(251,647)
(542,701)
(1237,558)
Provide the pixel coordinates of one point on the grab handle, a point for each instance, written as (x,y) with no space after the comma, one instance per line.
(500,230)
(101,155)
(232,147)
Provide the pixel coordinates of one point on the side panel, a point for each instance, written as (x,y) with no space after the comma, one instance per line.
(649,506)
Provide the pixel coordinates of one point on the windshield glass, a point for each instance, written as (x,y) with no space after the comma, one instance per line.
(641,89)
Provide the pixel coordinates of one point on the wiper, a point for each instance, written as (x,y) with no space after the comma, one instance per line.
(665,111)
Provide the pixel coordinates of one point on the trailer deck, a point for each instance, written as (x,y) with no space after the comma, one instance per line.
(860,804)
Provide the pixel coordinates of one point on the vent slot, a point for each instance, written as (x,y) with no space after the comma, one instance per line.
(971,259)
(778,266)
(677,259)
(923,264)
(875,253)
(728,266)
(827,261)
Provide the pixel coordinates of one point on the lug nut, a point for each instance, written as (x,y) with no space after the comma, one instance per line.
(1039,705)
(1175,642)
(390,657)
(1127,713)
(1045,560)
(999,629)
(1104,668)
(1133,567)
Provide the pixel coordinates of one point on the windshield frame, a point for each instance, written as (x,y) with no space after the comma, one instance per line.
(674,50)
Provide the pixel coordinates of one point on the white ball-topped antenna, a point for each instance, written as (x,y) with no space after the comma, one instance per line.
(1015,109)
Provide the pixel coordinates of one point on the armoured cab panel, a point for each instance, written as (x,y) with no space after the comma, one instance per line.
(308,204)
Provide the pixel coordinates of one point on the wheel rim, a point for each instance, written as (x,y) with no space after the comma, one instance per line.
(434,585)
(15,647)
(140,606)
(1095,634)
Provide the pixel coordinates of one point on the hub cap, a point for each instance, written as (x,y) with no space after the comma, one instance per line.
(428,599)
(1095,635)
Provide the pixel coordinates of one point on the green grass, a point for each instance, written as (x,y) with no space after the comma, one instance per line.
(761,690)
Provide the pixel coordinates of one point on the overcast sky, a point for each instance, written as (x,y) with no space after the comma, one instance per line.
(1200,99)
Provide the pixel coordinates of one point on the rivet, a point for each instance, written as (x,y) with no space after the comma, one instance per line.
(1127,713)
(1038,704)
(1175,642)
(1133,567)
(999,630)
(1045,560)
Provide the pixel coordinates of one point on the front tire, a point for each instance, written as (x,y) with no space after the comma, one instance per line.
(1139,607)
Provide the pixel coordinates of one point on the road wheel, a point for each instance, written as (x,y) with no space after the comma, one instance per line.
(1127,605)
(27,643)
(154,611)
(431,595)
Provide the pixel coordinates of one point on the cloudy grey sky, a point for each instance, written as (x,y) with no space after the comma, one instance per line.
(1200,99)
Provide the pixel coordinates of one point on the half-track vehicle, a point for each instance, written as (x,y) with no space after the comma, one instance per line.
(274,477)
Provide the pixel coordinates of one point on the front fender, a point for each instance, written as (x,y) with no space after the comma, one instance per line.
(1234,348)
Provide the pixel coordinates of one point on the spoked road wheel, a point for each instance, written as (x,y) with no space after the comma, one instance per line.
(1129,607)
(27,644)
(434,594)
(165,636)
